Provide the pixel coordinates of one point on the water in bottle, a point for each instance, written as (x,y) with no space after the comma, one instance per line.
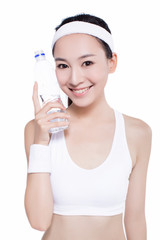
(48,87)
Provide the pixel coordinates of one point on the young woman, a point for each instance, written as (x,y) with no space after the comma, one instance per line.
(82,181)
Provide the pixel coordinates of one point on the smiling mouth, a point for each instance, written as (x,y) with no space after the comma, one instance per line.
(82,90)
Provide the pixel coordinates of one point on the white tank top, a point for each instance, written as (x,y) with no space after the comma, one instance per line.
(100,191)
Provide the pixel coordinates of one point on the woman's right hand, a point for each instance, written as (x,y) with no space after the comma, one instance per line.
(42,119)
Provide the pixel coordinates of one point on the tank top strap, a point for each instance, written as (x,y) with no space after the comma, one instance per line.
(120,126)
(121,138)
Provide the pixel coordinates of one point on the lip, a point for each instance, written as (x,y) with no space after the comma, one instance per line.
(77,89)
(80,94)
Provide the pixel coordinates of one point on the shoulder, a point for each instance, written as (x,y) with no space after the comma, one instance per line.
(139,134)
(137,127)
(28,136)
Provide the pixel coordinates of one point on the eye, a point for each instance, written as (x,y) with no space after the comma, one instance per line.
(62,66)
(87,63)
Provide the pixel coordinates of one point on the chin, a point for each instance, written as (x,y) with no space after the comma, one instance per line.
(82,103)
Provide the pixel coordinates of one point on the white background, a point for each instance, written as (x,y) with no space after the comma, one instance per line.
(133,89)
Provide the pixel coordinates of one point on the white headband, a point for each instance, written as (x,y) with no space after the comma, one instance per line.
(84,27)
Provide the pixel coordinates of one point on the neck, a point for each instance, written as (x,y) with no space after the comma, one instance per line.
(92,111)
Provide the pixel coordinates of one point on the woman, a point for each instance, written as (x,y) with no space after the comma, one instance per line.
(82,181)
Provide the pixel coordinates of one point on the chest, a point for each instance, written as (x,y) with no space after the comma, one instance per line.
(94,186)
(91,183)
(89,148)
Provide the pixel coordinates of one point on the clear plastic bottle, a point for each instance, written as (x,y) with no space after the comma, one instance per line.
(48,87)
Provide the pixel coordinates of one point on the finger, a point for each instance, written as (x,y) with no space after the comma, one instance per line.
(35,98)
(54,104)
(57,115)
(57,124)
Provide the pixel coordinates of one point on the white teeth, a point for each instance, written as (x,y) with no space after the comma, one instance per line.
(81,91)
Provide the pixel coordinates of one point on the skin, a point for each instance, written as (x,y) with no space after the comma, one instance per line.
(81,62)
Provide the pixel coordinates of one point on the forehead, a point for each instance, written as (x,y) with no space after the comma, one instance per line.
(77,43)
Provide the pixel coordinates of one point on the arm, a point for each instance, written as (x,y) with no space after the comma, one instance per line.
(38,194)
(134,219)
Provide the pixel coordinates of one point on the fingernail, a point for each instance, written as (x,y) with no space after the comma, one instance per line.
(59,100)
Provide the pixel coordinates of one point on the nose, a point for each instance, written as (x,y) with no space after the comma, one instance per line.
(76,77)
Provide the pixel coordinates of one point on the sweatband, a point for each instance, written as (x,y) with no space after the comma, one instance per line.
(86,28)
(39,159)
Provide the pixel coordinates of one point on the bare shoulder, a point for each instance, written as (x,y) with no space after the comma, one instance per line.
(28,136)
(137,127)
(139,135)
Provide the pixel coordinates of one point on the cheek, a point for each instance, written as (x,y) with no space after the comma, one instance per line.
(62,77)
(98,74)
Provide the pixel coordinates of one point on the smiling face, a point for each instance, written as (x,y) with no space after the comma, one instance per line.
(82,68)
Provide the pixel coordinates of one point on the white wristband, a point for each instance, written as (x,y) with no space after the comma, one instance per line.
(39,159)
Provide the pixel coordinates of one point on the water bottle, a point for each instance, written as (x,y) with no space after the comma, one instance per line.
(48,87)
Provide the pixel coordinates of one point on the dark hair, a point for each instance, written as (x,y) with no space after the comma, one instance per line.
(90,19)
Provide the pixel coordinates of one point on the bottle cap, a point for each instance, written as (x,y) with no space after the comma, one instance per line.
(39,54)
(45,76)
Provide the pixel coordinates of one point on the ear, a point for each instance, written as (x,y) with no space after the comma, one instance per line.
(113,63)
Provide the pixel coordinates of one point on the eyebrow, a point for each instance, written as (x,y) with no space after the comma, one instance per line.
(87,55)
(81,57)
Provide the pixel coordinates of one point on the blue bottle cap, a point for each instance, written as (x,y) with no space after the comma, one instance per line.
(39,53)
